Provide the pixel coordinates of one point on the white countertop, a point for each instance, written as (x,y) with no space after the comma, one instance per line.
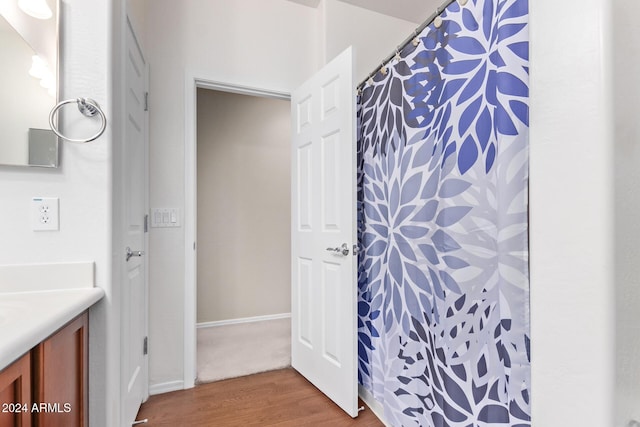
(27,318)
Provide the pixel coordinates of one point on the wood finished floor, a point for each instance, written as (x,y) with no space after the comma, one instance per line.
(280,398)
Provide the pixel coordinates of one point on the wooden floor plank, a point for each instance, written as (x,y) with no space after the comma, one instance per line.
(281,398)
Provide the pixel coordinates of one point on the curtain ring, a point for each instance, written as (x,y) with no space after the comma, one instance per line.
(437,21)
(89,108)
(398,58)
(383,69)
(415,42)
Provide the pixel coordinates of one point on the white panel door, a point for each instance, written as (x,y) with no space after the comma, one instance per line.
(134,368)
(324,346)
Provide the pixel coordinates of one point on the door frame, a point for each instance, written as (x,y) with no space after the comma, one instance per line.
(193,82)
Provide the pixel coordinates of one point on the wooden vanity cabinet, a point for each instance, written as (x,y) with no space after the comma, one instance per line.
(15,393)
(50,382)
(60,377)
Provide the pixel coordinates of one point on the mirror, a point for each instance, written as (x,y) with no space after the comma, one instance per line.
(28,82)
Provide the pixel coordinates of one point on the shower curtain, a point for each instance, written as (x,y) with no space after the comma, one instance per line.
(443,329)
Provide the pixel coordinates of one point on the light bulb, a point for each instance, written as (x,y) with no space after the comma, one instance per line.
(38,67)
(36,8)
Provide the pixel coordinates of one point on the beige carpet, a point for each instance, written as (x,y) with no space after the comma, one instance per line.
(242,349)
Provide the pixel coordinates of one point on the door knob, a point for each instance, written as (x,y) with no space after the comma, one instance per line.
(131,253)
(344,249)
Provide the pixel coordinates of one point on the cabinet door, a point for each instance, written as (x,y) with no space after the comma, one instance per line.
(60,371)
(15,393)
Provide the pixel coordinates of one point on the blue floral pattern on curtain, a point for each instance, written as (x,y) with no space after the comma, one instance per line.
(443,330)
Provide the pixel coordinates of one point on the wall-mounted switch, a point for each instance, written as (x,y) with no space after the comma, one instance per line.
(45,214)
(165,217)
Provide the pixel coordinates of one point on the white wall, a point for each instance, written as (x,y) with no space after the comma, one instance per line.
(373,35)
(626,42)
(244,206)
(571,214)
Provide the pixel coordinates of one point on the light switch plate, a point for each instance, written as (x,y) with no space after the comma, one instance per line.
(165,217)
(45,214)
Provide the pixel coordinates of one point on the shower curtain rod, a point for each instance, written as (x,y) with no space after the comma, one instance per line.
(406,41)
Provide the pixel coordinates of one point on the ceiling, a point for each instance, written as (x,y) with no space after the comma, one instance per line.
(415,11)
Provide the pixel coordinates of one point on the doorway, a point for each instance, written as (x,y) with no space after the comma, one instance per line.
(243,233)
(331,86)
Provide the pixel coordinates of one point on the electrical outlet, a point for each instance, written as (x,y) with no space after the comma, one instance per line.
(44,214)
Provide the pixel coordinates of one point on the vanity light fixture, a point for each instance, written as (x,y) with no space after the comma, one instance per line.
(40,71)
(38,9)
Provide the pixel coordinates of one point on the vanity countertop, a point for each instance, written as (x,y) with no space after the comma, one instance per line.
(27,318)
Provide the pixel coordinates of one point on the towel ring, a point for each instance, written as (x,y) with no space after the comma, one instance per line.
(89,108)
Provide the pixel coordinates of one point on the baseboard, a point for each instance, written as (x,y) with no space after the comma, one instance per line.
(166,387)
(243,320)
(373,404)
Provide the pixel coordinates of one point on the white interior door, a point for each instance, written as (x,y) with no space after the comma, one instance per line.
(323,306)
(134,367)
